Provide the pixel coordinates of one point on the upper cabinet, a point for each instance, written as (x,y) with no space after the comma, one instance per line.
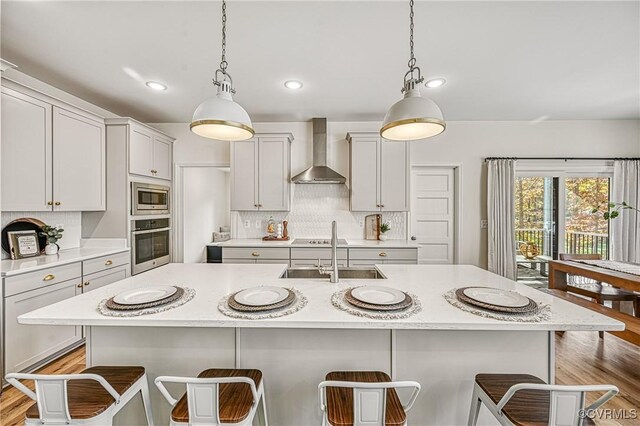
(379,173)
(53,154)
(149,152)
(261,173)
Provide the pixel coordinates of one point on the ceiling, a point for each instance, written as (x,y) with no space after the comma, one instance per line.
(502,60)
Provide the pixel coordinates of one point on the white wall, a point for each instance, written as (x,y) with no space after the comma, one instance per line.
(466,143)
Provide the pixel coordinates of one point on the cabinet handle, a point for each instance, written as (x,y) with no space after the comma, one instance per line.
(255,205)
(50,203)
(259,205)
(79,285)
(381,205)
(48,277)
(382,254)
(87,283)
(377,205)
(108,262)
(58,203)
(255,254)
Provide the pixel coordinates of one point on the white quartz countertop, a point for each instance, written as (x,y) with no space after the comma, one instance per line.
(257,242)
(213,281)
(10,267)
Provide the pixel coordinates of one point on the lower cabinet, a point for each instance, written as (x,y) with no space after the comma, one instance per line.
(305,257)
(27,345)
(276,255)
(100,279)
(370,256)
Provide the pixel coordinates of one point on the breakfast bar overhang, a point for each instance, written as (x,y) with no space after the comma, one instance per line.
(441,347)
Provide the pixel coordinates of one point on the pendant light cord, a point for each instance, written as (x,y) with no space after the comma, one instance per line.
(412,61)
(223,60)
(410,79)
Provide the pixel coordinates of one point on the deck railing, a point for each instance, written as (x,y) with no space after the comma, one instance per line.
(575,242)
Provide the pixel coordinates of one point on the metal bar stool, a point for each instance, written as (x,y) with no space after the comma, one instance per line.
(216,397)
(358,398)
(523,399)
(92,397)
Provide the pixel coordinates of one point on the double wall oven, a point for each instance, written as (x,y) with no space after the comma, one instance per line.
(150,244)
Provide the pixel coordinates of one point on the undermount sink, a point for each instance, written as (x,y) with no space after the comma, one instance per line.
(346,273)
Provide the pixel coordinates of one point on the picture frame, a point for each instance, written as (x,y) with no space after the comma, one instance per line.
(23,244)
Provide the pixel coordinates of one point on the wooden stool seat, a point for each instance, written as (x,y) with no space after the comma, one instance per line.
(235,399)
(87,398)
(527,407)
(340,400)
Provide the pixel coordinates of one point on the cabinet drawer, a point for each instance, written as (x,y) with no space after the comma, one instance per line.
(105,262)
(42,278)
(316,253)
(383,254)
(255,253)
(103,278)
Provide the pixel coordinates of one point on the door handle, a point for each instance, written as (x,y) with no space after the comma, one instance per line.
(48,277)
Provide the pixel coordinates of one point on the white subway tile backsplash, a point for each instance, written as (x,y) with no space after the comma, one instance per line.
(313,209)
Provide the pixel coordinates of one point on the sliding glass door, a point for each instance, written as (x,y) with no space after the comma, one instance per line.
(584,231)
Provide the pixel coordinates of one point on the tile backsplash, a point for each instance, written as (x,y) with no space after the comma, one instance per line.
(71,221)
(312,210)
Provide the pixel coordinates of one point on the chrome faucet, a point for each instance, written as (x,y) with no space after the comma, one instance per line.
(333,273)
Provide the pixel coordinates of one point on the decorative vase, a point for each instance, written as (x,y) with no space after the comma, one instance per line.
(51,248)
(529,250)
(382,237)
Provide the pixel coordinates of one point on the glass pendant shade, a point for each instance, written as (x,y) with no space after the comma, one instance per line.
(411,118)
(222,118)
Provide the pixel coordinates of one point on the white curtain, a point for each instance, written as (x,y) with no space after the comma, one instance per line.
(501,176)
(625,229)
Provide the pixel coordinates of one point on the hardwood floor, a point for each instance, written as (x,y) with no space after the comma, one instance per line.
(581,358)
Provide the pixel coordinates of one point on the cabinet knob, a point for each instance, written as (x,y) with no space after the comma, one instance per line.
(255,254)
(381,205)
(377,205)
(382,254)
(50,203)
(108,262)
(87,283)
(58,203)
(255,205)
(79,285)
(48,277)
(259,205)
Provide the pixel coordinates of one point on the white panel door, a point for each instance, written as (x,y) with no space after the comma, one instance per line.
(140,151)
(161,158)
(79,166)
(244,176)
(394,176)
(433,213)
(26,153)
(364,174)
(273,180)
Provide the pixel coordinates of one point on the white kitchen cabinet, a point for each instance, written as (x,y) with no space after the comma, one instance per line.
(94,281)
(379,173)
(79,165)
(149,152)
(371,256)
(53,154)
(261,173)
(26,152)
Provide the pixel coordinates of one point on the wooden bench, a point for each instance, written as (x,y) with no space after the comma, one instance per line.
(631,332)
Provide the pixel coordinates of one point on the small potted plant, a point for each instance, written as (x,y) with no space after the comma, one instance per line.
(53,234)
(384,228)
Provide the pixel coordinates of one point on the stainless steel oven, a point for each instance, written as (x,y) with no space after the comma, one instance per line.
(149,199)
(150,244)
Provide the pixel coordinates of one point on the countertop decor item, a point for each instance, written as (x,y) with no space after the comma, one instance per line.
(372,226)
(238,306)
(540,314)
(300,301)
(285,233)
(221,117)
(187,295)
(406,302)
(23,224)
(274,238)
(23,244)
(384,228)
(52,234)
(175,295)
(339,301)
(413,117)
(271,226)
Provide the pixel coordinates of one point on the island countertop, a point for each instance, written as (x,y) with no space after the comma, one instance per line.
(213,281)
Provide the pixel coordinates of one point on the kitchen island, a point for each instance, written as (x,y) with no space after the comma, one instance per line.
(442,347)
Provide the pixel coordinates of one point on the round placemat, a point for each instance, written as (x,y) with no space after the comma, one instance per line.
(187,295)
(408,301)
(299,303)
(543,313)
(169,299)
(339,301)
(530,308)
(237,306)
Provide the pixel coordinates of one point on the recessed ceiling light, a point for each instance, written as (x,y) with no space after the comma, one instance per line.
(293,84)
(435,82)
(155,85)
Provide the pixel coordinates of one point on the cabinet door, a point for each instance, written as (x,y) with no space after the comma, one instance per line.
(244,176)
(273,178)
(161,158)
(394,176)
(364,174)
(140,151)
(26,153)
(79,167)
(27,345)
(100,279)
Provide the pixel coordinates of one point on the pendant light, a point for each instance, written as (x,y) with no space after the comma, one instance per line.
(413,117)
(220,117)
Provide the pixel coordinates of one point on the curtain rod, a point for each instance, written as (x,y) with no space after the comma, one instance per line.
(563,158)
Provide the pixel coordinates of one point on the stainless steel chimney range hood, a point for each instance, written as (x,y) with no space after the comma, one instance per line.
(319,172)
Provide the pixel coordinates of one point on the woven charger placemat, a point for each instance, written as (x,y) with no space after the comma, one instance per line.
(348,296)
(340,302)
(188,294)
(543,313)
(530,308)
(299,303)
(118,307)
(237,306)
